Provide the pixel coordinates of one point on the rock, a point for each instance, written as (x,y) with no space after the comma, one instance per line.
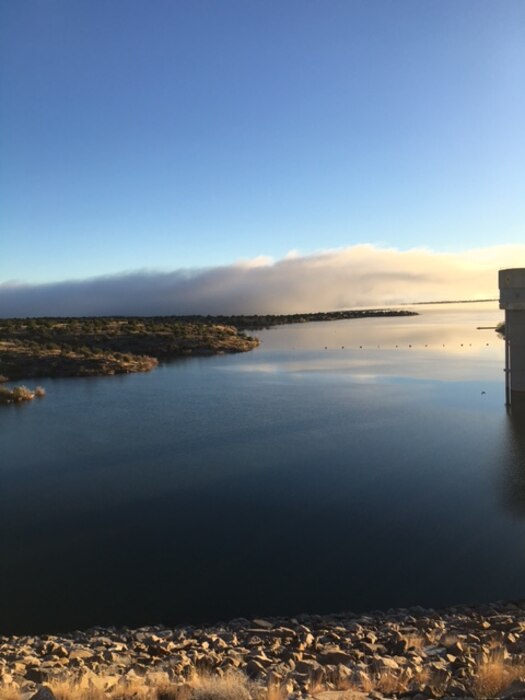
(334,655)
(307,666)
(456,690)
(457,648)
(265,624)
(399,647)
(295,654)
(515,690)
(343,674)
(80,654)
(44,693)
(254,669)
(35,674)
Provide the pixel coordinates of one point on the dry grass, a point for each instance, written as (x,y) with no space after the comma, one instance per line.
(231,686)
(390,681)
(9,694)
(416,641)
(495,676)
(448,639)
(490,678)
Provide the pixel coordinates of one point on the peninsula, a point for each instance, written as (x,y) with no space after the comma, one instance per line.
(80,347)
(94,346)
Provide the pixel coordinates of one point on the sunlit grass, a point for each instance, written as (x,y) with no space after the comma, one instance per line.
(200,686)
(495,675)
(489,677)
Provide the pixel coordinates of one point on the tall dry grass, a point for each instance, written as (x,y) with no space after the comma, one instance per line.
(201,686)
(490,678)
(495,675)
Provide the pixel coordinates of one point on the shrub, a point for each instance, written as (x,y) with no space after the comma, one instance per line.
(22,393)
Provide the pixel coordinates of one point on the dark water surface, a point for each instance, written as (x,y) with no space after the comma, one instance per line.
(292,478)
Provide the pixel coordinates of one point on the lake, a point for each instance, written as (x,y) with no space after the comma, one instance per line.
(345,465)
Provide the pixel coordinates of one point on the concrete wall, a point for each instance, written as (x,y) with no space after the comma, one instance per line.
(515,335)
(512,299)
(512,288)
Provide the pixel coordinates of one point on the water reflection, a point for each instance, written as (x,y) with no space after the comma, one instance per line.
(378,365)
(451,328)
(288,479)
(514,448)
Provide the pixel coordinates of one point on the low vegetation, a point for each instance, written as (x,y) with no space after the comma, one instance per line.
(494,678)
(18,394)
(66,347)
(200,686)
(256,321)
(89,346)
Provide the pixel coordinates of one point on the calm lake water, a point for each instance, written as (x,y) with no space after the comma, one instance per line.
(309,475)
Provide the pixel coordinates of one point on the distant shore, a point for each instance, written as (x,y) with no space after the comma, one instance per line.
(261,321)
(447,301)
(83,347)
(462,651)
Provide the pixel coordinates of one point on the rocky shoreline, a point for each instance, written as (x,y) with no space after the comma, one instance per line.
(419,653)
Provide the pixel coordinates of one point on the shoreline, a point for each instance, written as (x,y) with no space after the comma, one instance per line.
(93,347)
(460,651)
(103,346)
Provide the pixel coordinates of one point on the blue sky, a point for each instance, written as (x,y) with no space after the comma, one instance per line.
(170,134)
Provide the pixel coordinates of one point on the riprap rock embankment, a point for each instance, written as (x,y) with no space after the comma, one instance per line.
(418,653)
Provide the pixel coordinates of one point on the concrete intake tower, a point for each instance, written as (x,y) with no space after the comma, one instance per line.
(512,299)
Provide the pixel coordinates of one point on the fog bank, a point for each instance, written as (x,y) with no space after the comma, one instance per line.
(358,276)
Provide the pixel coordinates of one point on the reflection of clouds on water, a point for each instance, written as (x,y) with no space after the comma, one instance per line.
(386,462)
(437,325)
(382,365)
(441,344)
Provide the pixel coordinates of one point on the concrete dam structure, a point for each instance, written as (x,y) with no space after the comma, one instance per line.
(512,299)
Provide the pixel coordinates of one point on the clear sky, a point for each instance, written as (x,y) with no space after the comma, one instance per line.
(170,134)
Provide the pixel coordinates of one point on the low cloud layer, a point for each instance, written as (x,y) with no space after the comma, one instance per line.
(358,276)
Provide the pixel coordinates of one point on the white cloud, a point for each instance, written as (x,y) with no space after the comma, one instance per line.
(358,276)
(259,261)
